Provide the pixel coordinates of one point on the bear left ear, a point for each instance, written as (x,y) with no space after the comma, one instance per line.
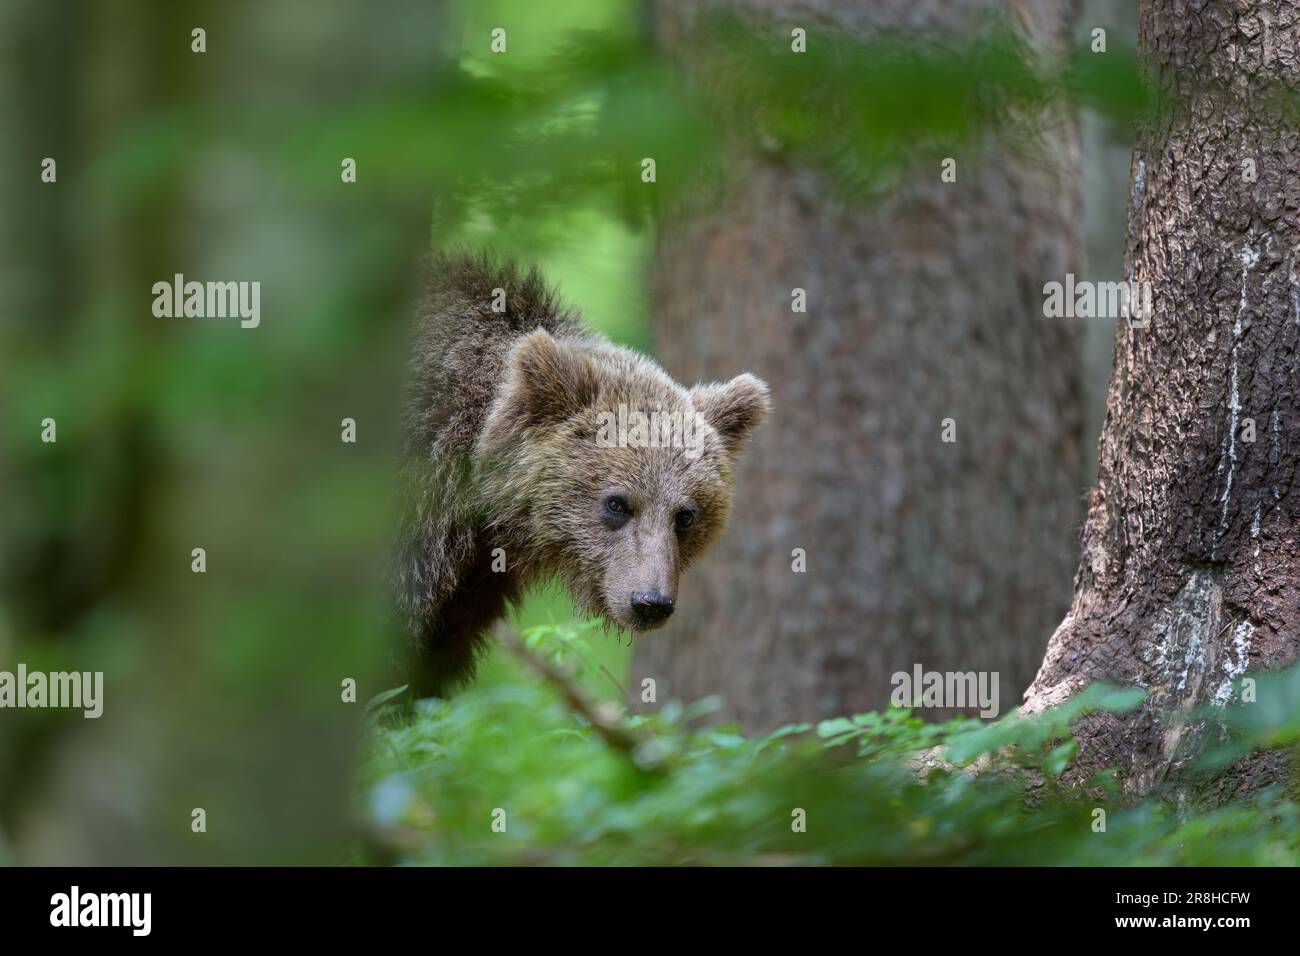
(546,381)
(733,408)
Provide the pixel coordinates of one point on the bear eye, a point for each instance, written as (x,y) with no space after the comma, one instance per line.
(617,508)
(684,519)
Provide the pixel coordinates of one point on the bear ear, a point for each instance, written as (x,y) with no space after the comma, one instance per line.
(733,408)
(546,381)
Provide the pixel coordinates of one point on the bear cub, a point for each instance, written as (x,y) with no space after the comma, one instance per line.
(521,466)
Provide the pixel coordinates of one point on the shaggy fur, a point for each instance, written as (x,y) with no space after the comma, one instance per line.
(501,440)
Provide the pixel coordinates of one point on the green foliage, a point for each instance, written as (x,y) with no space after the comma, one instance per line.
(1270,721)
(524,137)
(877,788)
(511,145)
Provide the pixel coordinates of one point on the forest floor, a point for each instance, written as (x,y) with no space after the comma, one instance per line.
(529,768)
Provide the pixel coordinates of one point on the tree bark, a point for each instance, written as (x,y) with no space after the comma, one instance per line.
(1189,574)
(923,307)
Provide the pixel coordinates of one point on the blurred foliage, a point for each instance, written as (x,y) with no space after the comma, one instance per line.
(509,139)
(876,788)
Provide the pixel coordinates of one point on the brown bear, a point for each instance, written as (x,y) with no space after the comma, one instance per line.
(536,449)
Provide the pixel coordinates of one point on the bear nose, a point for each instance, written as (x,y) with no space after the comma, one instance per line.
(651,607)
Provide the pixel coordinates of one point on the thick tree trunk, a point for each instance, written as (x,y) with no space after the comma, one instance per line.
(923,307)
(1189,573)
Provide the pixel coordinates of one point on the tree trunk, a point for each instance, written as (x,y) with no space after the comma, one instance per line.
(924,307)
(1189,572)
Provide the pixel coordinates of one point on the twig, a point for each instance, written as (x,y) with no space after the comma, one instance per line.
(616,736)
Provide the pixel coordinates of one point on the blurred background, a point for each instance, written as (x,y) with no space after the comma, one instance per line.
(223,689)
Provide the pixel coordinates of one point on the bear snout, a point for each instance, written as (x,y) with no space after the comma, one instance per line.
(651,608)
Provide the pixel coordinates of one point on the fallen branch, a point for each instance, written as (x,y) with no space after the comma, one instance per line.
(610,729)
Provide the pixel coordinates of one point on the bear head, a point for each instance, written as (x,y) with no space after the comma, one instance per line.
(618,477)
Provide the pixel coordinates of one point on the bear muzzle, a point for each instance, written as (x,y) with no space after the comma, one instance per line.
(651,608)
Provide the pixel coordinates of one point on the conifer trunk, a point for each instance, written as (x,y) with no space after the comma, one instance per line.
(923,307)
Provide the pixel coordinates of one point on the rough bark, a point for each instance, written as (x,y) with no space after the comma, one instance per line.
(924,306)
(1189,574)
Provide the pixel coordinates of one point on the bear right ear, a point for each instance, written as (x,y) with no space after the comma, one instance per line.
(734,408)
(546,381)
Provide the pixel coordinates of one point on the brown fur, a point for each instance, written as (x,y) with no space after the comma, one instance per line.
(501,438)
